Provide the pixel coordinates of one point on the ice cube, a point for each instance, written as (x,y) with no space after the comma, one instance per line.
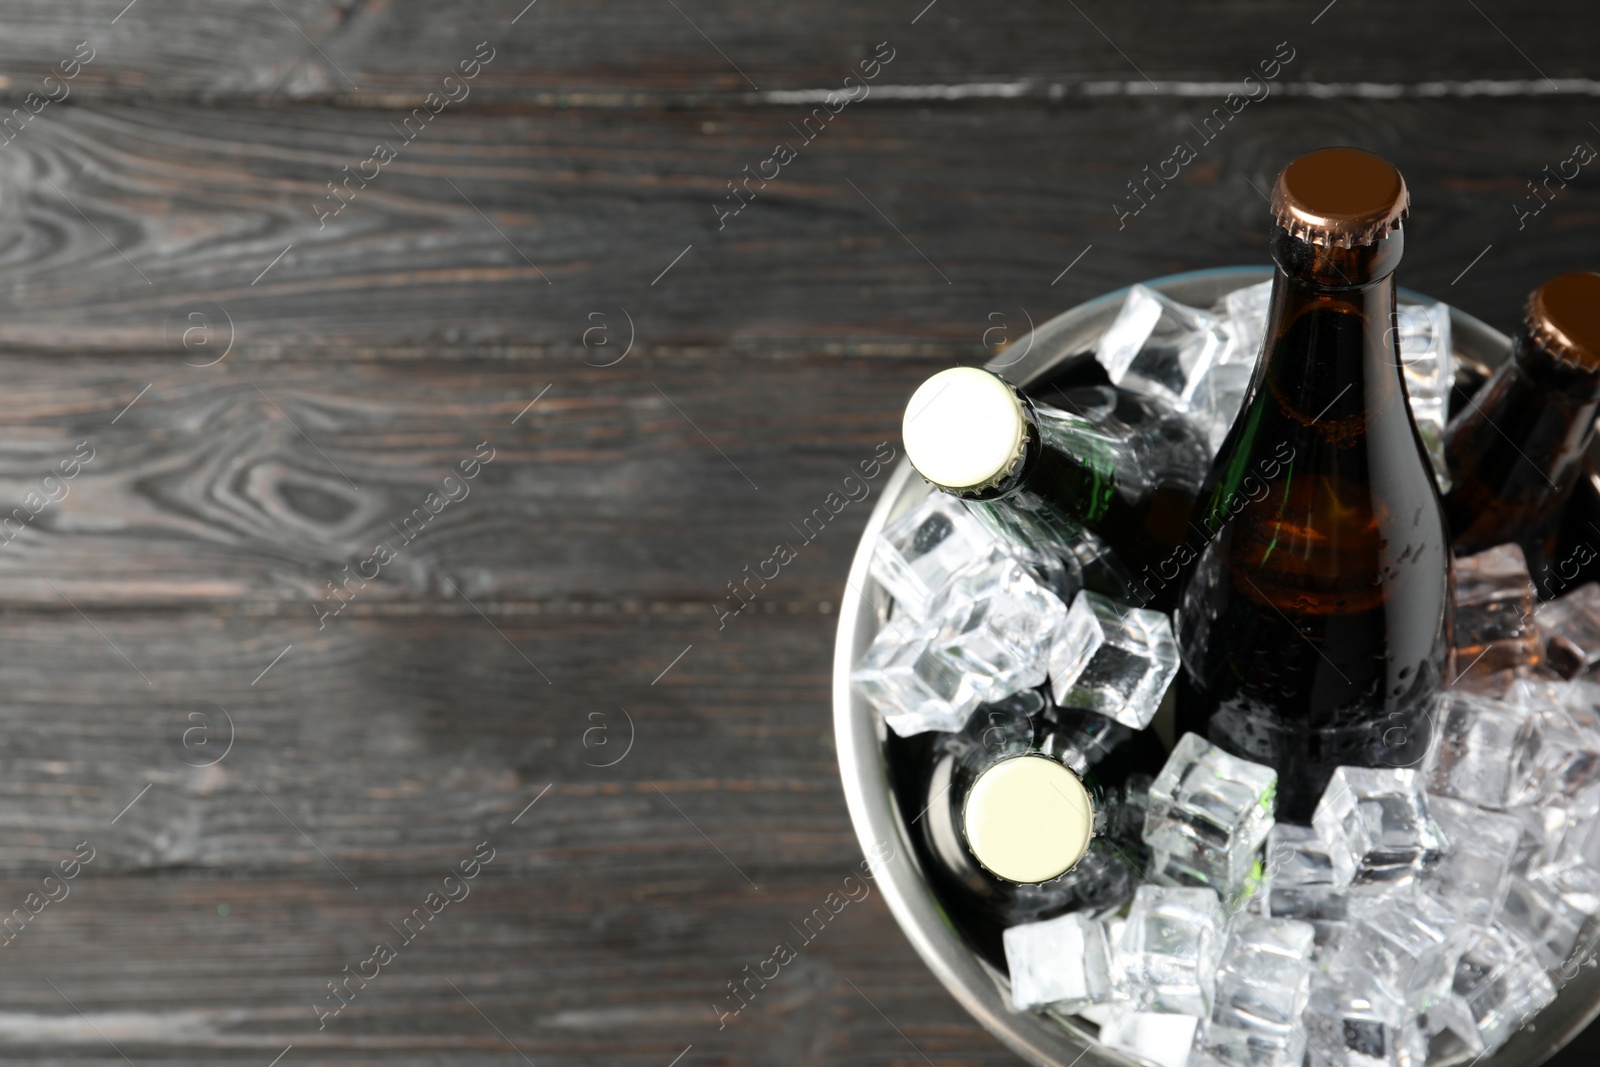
(1494,627)
(1582,698)
(1063,961)
(1408,942)
(1081,739)
(1581,841)
(1247,319)
(994,621)
(997,728)
(1210,812)
(1182,869)
(1353,1021)
(1483,752)
(1160,345)
(1217,400)
(1559,829)
(1053,550)
(1126,822)
(1263,981)
(1577,883)
(1452,1032)
(1112,659)
(1571,628)
(1494,685)
(918,553)
(1168,950)
(1429,364)
(1091,564)
(1329,935)
(1102,882)
(1535,911)
(986,637)
(1475,873)
(1217,394)
(1546,825)
(1583,711)
(1076,640)
(914,691)
(1301,880)
(1565,746)
(1099,1014)
(1377,826)
(1159,1038)
(1503,984)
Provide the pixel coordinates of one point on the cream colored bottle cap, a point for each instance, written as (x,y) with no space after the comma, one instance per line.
(964,427)
(1028,819)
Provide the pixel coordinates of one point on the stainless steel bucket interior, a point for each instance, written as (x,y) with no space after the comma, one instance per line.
(859,734)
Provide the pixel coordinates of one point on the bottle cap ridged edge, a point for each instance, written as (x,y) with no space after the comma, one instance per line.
(1340,236)
(1336,233)
(1548,336)
(1007,469)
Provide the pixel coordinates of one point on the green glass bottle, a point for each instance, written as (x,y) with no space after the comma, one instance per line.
(1122,469)
(1002,846)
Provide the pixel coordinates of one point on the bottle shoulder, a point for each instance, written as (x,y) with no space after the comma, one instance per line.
(1325,518)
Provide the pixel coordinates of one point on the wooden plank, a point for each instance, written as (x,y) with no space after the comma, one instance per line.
(612,916)
(380,745)
(567,967)
(627,51)
(612,491)
(557,966)
(595,543)
(896,232)
(640,489)
(605,928)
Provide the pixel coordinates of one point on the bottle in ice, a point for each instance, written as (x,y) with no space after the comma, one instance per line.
(1517,449)
(1121,467)
(1313,627)
(1029,812)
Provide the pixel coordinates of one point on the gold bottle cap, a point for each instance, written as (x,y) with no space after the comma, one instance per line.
(964,429)
(1028,819)
(1563,317)
(1340,197)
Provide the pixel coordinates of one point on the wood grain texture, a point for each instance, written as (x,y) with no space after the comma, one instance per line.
(564,967)
(369,762)
(895,232)
(389,742)
(631,51)
(637,490)
(167,212)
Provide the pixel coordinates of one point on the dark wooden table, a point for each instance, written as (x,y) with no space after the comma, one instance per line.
(536,274)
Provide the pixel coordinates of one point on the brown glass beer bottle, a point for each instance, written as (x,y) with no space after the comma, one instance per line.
(1314,624)
(1516,450)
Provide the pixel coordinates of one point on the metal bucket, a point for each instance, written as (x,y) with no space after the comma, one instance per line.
(859,733)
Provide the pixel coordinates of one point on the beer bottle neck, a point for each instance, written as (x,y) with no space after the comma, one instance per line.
(1066,459)
(1334,267)
(1332,350)
(1567,380)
